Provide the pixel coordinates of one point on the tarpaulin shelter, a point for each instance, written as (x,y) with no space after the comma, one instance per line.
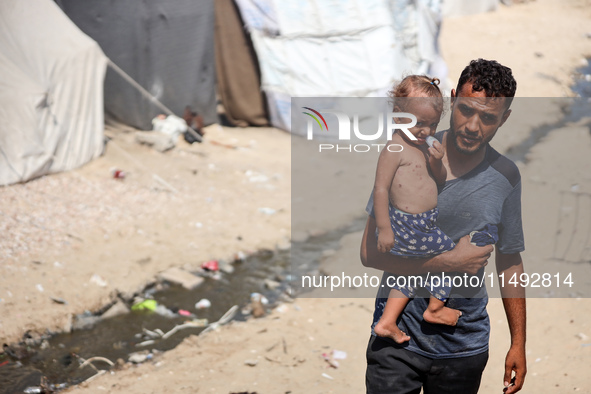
(167,46)
(51,92)
(345,48)
(238,75)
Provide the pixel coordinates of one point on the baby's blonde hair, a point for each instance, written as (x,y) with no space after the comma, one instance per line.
(416,86)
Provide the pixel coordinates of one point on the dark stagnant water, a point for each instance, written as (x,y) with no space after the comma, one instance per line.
(117,337)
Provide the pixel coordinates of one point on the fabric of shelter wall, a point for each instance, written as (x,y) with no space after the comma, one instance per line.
(237,69)
(352,48)
(51,92)
(167,46)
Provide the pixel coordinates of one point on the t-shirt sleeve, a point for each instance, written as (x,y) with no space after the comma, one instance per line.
(511,228)
(369,207)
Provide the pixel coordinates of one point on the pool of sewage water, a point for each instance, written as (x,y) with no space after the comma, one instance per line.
(55,360)
(59,356)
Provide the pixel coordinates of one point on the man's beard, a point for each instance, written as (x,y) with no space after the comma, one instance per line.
(459,148)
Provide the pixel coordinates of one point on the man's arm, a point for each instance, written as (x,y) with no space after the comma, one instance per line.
(465,257)
(514,303)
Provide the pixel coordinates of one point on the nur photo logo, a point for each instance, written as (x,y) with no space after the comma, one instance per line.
(344,123)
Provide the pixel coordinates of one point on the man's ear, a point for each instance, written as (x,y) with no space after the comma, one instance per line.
(505,117)
(453,96)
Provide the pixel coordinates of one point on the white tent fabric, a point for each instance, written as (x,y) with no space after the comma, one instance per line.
(51,92)
(345,48)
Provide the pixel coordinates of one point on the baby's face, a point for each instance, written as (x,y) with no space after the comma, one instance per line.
(428,114)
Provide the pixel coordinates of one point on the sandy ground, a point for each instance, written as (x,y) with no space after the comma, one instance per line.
(61,230)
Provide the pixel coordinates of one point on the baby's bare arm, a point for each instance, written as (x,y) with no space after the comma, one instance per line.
(438,170)
(387,165)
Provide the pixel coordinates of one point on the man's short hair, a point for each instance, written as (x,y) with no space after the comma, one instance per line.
(489,75)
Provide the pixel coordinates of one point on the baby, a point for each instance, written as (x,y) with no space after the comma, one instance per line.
(405,201)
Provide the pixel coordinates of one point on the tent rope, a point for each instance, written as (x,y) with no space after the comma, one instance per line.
(149,96)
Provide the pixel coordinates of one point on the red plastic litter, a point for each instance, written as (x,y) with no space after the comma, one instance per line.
(183,312)
(4,363)
(118,174)
(211,265)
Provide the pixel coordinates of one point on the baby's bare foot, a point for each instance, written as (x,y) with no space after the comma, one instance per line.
(391,331)
(445,315)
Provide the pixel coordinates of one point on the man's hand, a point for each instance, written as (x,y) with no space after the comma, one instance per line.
(515,361)
(469,258)
(386,240)
(465,257)
(514,304)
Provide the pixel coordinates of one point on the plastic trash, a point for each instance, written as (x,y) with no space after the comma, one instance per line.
(203,303)
(259,297)
(226,267)
(170,125)
(257,302)
(140,357)
(339,354)
(200,322)
(183,312)
(430,140)
(164,311)
(118,174)
(97,280)
(267,211)
(330,360)
(146,305)
(211,265)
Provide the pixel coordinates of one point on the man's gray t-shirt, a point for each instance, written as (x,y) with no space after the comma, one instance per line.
(489,194)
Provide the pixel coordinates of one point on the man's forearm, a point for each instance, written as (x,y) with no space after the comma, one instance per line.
(371,257)
(513,295)
(511,265)
(463,258)
(516,317)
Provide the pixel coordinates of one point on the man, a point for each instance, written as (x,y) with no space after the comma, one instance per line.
(482,187)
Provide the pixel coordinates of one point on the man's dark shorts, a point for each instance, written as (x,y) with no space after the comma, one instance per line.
(394,370)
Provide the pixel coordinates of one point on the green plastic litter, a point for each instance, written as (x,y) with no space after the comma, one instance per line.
(146,305)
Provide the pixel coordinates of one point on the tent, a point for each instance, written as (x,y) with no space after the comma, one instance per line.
(238,74)
(166,46)
(51,92)
(350,48)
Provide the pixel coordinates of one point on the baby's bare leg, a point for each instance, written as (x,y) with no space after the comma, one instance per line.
(438,313)
(387,327)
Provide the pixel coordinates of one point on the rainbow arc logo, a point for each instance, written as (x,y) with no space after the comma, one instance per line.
(315,118)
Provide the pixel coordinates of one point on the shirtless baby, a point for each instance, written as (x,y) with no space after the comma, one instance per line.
(405,200)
